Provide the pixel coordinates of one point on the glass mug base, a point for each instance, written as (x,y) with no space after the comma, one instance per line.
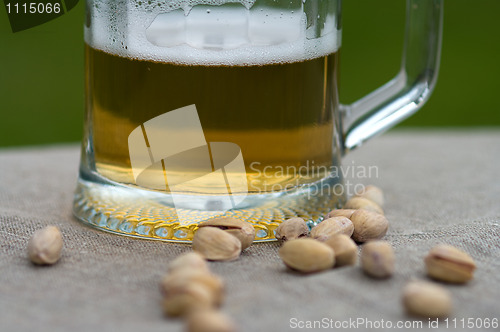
(142,214)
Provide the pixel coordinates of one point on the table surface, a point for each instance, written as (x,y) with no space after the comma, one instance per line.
(441,187)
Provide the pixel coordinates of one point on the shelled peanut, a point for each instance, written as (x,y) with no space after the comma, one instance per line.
(45,245)
(425,299)
(449,264)
(192,292)
(223,239)
(377,259)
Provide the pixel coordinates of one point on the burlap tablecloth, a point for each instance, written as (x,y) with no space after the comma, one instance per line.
(440,187)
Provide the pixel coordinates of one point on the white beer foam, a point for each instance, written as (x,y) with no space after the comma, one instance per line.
(208,35)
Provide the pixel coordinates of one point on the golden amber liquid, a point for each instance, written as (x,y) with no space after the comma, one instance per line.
(280,115)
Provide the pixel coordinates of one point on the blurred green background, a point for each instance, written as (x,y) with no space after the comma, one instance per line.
(41,69)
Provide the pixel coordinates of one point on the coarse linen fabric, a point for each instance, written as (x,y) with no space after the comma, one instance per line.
(441,187)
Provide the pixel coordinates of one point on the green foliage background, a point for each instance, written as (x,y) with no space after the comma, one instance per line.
(41,69)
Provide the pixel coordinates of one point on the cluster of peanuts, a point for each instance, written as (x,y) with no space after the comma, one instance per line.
(332,243)
(192,292)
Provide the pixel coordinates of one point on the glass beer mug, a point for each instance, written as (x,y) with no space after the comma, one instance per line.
(200,109)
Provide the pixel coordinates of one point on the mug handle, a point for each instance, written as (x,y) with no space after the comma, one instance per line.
(410,89)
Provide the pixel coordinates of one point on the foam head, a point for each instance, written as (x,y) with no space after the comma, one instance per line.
(215,32)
